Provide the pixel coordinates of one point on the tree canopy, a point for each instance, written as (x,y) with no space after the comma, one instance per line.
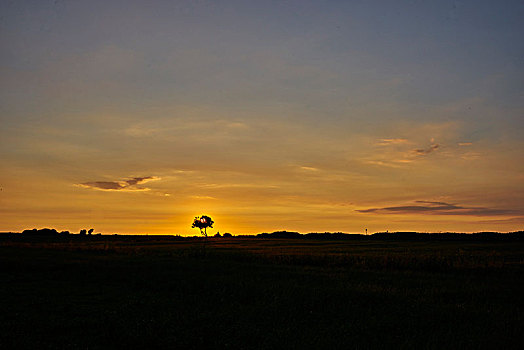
(203,222)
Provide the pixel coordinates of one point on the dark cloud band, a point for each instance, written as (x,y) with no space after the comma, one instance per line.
(123,185)
(438,208)
(428,150)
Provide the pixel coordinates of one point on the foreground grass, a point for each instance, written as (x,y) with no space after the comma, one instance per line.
(244,293)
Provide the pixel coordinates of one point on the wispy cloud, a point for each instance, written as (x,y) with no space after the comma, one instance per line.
(204,197)
(385,163)
(517,220)
(438,208)
(308,168)
(400,155)
(234,185)
(425,151)
(129,185)
(387,142)
(169,128)
(471,156)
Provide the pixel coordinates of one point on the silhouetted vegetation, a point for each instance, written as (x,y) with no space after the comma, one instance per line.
(410,236)
(203,222)
(280,234)
(44,232)
(331,236)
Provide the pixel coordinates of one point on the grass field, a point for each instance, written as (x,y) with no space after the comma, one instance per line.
(261,293)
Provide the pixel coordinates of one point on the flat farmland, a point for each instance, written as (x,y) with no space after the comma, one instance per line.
(130,292)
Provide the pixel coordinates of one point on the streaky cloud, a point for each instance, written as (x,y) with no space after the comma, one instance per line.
(425,151)
(438,208)
(141,180)
(396,141)
(127,185)
(308,168)
(103,185)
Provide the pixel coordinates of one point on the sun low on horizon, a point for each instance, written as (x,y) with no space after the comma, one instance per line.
(134,117)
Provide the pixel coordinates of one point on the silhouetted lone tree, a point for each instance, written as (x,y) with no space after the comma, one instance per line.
(203,223)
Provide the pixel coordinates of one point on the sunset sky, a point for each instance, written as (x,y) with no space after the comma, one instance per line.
(137,116)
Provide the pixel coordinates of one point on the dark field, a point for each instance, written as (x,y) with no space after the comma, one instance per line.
(261,293)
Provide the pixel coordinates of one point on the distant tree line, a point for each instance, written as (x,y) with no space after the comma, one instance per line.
(407,236)
(51,232)
(410,236)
